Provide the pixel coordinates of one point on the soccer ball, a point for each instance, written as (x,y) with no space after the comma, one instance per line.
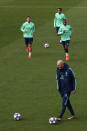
(52,120)
(46,45)
(17,116)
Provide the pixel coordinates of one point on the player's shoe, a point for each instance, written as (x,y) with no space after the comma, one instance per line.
(27,49)
(72,117)
(67,58)
(58,119)
(29,56)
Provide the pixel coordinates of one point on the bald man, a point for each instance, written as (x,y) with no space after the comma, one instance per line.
(66,83)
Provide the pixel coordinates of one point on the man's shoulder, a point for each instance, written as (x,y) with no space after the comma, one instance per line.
(56,14)
(62,14)
(25,23)
(32,23)
(69,70)
(66,66)
(57,70)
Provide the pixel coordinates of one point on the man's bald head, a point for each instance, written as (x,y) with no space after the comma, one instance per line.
(60,64)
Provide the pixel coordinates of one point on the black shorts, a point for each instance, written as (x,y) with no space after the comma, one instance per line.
(66,43)
(57,29)
(28,40)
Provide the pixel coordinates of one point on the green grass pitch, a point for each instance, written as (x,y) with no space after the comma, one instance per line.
(29,86)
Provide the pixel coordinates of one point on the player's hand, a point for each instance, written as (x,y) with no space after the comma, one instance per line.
(56,34)
(33,34)
(74,91)
(25,31)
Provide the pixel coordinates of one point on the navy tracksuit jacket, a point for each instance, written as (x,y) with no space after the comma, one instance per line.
(66,83)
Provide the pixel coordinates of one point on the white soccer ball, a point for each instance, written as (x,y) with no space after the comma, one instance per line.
(52,120)
(17,116)
(46,45)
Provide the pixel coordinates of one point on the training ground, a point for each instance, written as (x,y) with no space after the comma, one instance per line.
(28,86)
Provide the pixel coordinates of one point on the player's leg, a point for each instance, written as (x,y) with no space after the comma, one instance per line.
(57,29)
(66,52)
(30,50)
(60,40)
(70,108)
(64,104)
(26,43)
(30,47)
(66,45)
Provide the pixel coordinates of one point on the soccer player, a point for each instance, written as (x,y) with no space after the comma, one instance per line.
(65,31)
(66,83)
(58,20)
(28,29)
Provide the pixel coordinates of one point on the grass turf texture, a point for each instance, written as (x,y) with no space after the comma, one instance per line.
(29,86)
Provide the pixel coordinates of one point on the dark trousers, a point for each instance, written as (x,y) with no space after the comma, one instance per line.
(66,103)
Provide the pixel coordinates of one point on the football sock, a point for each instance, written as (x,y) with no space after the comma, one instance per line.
(60,41)
(29,53)
(67,54)
(27,49)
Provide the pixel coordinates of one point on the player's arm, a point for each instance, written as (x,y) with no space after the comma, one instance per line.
(23,28)
(55,21)
(70,30)
(33,29)
(73,80)
(58,80)
(60,32)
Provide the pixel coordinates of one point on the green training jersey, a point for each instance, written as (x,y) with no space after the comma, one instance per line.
(58,20)
(65,31)
(29,27)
